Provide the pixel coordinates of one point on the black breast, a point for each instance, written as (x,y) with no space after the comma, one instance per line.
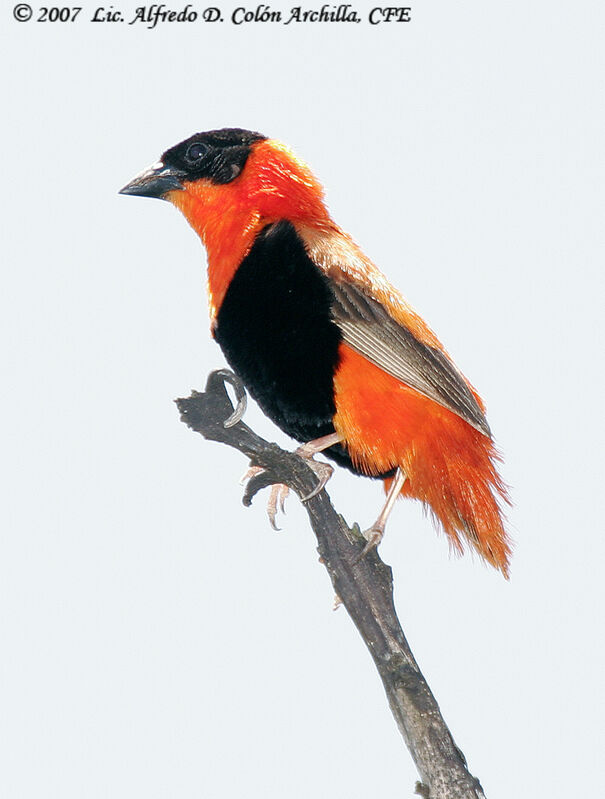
(276,331)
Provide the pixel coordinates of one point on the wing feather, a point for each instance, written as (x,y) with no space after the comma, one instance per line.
(369,329)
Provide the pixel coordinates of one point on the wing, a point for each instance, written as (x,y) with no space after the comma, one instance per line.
(368,328)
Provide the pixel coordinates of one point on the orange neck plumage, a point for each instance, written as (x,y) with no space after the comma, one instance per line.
(274,185)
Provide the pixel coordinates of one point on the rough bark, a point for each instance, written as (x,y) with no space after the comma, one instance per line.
(364,585)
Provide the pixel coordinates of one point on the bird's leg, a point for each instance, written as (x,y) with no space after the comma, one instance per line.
(280,491)
(375,533)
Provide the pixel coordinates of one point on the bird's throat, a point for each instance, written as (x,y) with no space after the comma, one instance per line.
(227,230)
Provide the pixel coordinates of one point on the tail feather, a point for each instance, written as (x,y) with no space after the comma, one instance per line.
(450,465)
(458,482)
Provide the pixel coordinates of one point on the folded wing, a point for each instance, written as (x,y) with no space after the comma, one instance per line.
(368,328)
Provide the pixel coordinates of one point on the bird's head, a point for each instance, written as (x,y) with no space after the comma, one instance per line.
(232,174)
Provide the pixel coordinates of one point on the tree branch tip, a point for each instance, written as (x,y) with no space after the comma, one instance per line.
(354,531)
(256,483)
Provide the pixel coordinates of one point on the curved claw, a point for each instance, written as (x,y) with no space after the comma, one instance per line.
(373,536)
(250,472)
(279,494)
(323,471)
(240,395)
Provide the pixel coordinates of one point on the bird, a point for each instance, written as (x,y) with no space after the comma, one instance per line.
(328,348)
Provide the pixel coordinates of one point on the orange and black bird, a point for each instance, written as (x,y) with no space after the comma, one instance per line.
(327,347)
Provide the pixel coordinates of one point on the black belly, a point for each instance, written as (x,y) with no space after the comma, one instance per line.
(276,331)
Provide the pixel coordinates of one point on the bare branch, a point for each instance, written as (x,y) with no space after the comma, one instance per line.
(364,585)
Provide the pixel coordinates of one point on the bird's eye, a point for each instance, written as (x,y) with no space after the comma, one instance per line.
(195,152)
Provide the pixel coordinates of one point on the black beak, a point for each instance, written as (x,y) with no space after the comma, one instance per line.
(155,182)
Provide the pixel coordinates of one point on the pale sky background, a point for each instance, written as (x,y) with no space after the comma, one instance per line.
(160,640)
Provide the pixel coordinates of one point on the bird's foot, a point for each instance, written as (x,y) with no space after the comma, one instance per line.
(280,491)
(277,496)
(323,471)
(373,536)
